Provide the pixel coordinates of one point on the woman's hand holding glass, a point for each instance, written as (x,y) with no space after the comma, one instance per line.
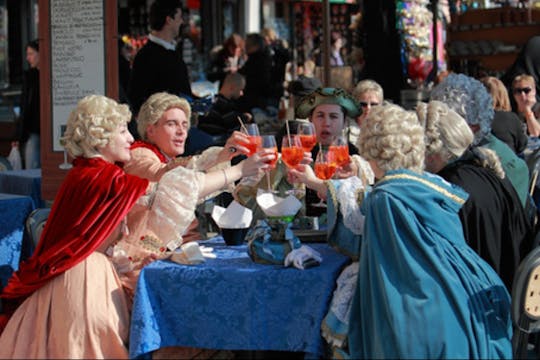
(304,174)
(262,161)
(237,144)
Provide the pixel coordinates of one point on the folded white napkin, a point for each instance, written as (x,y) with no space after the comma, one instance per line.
(302,258)
(190,254)
(235,216)
(273,205)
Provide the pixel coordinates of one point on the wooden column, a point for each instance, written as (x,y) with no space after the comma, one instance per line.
(65,70)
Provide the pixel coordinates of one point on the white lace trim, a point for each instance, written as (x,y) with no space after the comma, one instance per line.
(348,204)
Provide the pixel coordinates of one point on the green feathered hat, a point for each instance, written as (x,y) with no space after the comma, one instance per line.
(333,96)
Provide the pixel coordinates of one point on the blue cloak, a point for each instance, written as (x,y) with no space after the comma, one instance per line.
(422,292)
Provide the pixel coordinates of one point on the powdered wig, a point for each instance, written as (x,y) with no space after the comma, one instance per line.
(448,135)
(393,138)
(368,85)
(470,99)
(92,123)
(153,108)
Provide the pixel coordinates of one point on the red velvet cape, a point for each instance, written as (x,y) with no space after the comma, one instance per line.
(95,196)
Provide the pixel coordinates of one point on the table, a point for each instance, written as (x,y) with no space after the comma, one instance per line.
(14,209)
(23,182)
(232,303)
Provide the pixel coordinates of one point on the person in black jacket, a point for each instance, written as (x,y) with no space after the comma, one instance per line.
(506,125)
(158,66)
(257,71)
(222,118)
(30,123)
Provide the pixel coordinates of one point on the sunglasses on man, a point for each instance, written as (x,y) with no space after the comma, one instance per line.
(525,90)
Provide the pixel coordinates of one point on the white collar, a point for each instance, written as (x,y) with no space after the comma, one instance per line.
(167,45)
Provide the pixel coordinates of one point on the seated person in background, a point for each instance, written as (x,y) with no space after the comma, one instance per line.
(524,91)
(470,99)
(66,301)
(226,58)
(494,222)
(405,281)
(368,93)
(506,124)
(222,118)
(163,124)
(327,109)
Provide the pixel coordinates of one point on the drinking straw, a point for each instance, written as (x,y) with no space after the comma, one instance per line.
(288,132)
(242,125)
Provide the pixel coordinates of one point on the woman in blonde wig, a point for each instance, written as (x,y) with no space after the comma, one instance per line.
(67,301)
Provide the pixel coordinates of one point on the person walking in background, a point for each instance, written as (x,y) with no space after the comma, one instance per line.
(336,45)
(506,124)
(258,71)
(280,53)
(30,123)
(157,66)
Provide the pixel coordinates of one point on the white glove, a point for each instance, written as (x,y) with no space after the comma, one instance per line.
(299,257)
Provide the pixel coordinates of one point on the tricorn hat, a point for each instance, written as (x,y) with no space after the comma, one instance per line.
(333,96)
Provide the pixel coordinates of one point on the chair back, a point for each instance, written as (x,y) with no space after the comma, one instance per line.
(526,302)
(35,222)
(5,164)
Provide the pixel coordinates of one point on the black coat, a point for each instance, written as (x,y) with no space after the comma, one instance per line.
(494,222)
(508,127)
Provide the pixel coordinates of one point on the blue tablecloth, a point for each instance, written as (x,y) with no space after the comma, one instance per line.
(23,182)
(231,303)
(14,209)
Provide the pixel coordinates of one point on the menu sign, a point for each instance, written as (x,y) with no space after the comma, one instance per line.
(77,57)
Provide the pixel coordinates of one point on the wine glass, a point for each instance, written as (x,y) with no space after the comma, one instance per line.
(252,131)
(292,151)
(340,148)
(65,165)
(325,167)
(269,142)
(307,135)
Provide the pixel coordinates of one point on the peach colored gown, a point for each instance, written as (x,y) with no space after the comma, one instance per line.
(70,318)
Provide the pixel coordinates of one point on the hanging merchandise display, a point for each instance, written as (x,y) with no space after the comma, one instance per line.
(415,24)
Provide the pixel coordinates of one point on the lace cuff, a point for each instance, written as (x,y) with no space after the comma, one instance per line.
(349,206)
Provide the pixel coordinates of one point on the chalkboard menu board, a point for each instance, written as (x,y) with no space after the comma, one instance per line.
(77,57)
